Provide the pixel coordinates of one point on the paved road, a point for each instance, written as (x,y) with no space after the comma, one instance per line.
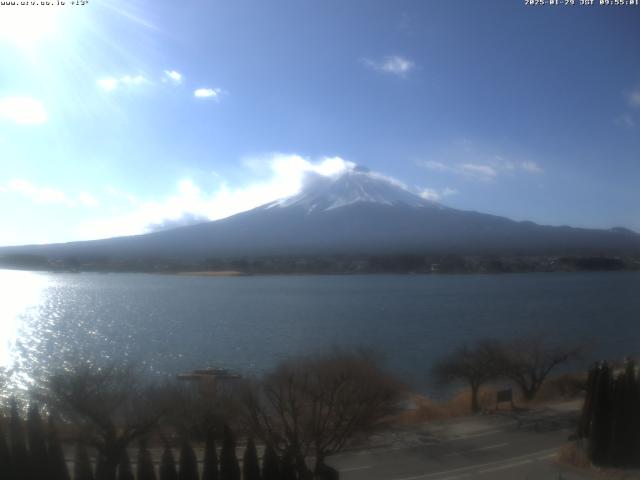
(488,447)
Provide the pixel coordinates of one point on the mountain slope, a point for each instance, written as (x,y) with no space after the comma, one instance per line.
(357,212)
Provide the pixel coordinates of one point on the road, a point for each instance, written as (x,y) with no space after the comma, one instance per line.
(493,447)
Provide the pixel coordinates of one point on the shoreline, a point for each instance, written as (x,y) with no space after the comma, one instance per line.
(403,264)
(211,273)
(239,273)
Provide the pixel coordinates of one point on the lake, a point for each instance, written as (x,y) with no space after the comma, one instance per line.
(168,324)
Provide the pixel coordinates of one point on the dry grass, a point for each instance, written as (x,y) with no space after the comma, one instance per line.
(565,387)
(556,389)
(458,406)
(573,455)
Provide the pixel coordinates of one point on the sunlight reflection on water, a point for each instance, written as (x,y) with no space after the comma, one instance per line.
(22,295)
(167,324)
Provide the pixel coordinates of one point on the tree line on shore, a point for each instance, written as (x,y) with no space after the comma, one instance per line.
(305,410)
(525,361)
(331,264)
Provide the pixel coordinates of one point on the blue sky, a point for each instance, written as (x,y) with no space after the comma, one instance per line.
(119,116)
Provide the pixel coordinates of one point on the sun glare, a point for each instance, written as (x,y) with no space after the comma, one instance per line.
(24,291)
(26,26)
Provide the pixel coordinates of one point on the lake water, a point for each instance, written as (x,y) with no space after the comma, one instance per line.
(170,324)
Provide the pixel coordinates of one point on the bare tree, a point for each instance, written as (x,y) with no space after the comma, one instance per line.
(5,386)
(528,361)
(475,365)
(317,405)
(107,407)
(196,413)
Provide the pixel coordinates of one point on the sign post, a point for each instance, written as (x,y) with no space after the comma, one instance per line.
(504,396)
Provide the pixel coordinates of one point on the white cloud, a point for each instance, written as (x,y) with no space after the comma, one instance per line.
(634,98)
(213,93)
(120,195)
(109,84)
(475,169)
(185,220)
(276,176)
(437,166)
(40,195)
(397,65)
(172,76)
(22,110)
(88,200)
(625,120)
(133,80)
(484,170)
(393,64)
(430,194)
(437,195)
(47,195)
(531,167)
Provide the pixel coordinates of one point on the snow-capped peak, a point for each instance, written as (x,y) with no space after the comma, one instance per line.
(355,185)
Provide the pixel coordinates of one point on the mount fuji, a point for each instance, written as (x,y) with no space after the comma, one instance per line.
(356,212)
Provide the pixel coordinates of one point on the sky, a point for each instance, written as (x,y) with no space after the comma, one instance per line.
(120,117)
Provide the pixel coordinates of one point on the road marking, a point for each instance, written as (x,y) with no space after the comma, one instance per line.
(490,447)
(416,446)
(481,465)
(547,457)
(475,435)
(353,469)
(505,467)
(457,477)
